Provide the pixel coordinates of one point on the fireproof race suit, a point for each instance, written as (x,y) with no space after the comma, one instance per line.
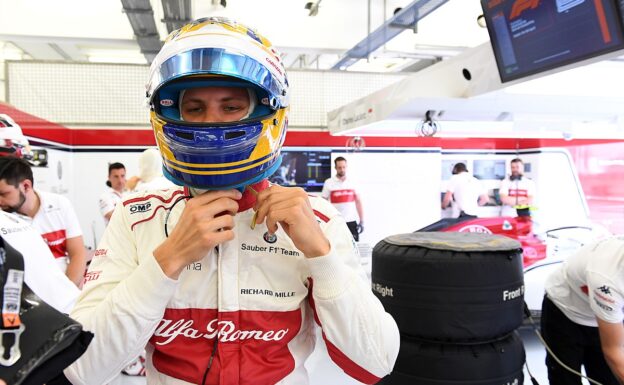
(257,295)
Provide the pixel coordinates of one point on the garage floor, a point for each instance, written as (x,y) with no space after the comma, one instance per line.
(323,372)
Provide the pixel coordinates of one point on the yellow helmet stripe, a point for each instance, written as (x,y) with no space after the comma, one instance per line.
(212,33)
(170,159)
(222,172)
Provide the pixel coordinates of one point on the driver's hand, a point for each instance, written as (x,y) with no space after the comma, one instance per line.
(290,208)
(207,221)
(360,228)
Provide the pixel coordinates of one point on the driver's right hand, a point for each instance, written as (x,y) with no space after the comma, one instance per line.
(207,221)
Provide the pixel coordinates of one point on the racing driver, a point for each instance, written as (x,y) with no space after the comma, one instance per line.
(225,279)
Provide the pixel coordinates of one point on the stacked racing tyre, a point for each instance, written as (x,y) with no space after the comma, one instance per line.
(457,299)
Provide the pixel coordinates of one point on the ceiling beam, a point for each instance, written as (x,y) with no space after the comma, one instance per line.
(177,13)
(60,40)
(406,18)
(141,17)
(41,51)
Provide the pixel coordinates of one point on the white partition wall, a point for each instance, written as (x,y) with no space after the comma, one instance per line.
(396,189)
(84,94)
(559,200)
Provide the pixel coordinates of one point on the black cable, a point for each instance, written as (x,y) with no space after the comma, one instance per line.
(171,209)
(215,346)
(549,351)
(216,341)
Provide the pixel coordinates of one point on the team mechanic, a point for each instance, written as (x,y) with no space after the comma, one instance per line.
(226,287)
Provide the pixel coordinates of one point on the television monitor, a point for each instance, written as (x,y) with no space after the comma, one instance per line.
(303,168)
(532,36)
(489,169)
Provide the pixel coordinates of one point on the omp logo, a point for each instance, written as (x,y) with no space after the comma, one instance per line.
(522,5)
(513,294)
(605,289)
(475,229)
(140,208)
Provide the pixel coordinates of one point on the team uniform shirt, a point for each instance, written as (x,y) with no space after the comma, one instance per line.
(466,190)
(341,194)
(522,188)
(56,221)
(108,201)
(257,294)
(590,283)
(40,271)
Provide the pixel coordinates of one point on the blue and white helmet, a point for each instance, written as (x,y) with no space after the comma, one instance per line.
(220,53)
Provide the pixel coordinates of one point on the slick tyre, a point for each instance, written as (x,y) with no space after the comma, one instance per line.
(452,287)
(426,363)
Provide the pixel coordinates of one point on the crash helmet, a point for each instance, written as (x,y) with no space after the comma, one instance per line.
(217,52)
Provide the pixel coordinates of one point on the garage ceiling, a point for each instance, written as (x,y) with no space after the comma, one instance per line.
(120,30)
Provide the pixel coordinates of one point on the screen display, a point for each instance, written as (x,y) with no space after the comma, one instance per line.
(532,36)
(489,169)
(302,168)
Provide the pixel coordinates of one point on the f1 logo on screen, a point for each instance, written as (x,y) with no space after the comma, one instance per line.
(522,5)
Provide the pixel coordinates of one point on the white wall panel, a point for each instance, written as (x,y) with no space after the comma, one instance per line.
(396,190)
(70,93)
(114,94)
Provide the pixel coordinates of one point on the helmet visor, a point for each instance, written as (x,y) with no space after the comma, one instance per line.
(219,61)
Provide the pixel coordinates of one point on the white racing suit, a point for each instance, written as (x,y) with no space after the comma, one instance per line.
(257,294)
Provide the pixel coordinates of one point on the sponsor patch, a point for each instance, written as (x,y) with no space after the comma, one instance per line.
(140,208)
(226,331)
(605,289)
(10,230)
(269,238)
(603,297)
(166,102)
(92,276)
(602,305)
(271,293)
